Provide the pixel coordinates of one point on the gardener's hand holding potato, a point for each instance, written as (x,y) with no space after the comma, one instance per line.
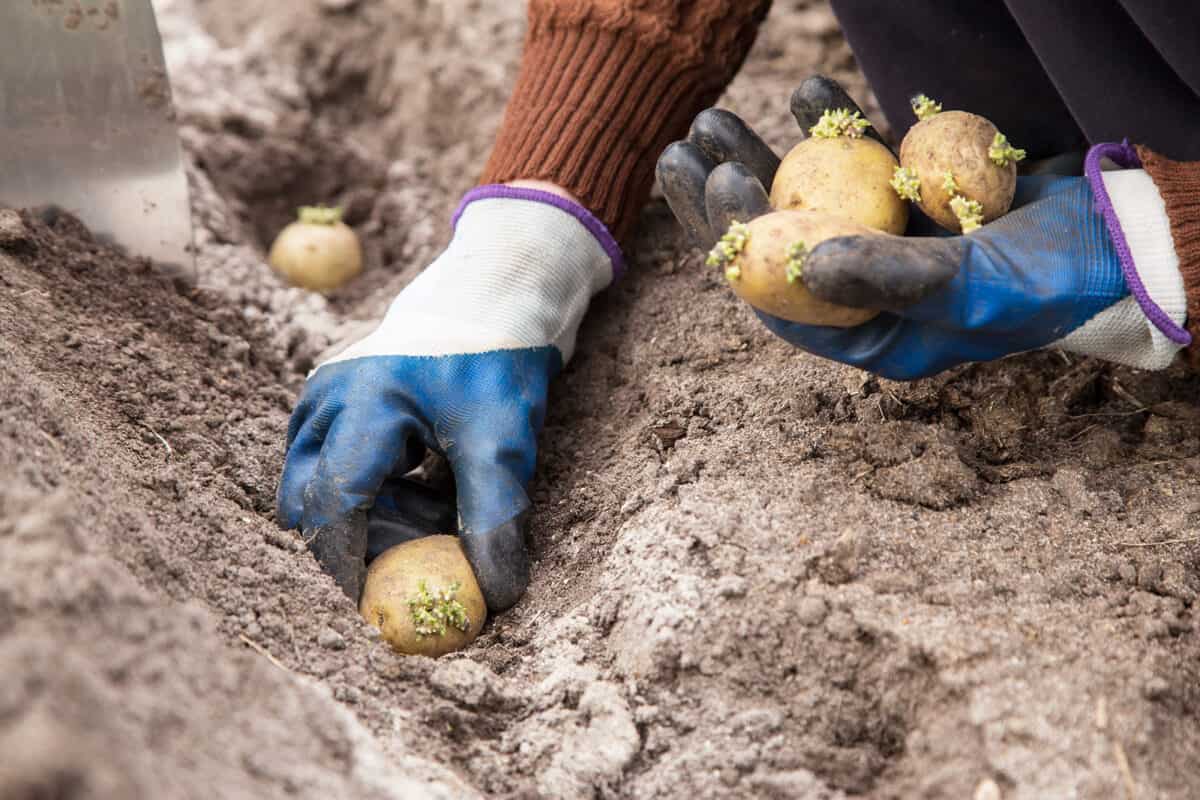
(1051,272)
(460,365)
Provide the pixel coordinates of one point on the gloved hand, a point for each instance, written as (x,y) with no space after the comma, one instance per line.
(1048,273)
(460,365)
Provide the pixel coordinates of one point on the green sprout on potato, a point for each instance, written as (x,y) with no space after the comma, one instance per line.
(969,213)
(949,185)
(319,215)
(433,613)
(797,254)
(727,249)
(925,107)
(840,122)
(907,184)
(1002,153)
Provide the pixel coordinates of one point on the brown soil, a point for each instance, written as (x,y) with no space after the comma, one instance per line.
(757,574)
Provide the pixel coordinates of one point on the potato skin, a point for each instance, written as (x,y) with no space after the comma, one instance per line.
(957,142)
(844,177)
(393,579)
(317,257)
(763,268)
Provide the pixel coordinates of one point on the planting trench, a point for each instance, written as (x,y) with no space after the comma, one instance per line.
(755,573)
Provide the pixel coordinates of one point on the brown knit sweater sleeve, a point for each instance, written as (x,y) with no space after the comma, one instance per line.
(1179,184)
(605,85)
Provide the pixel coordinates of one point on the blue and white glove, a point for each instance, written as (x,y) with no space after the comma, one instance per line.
(459,365)
(1085,264)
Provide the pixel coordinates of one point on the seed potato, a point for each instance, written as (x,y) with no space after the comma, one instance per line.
(842,176)
(318,251)
(764,259)
(949,153)
(423,597)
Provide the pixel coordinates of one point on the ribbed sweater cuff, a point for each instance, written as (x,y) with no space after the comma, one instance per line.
(1179,184)
(592,109)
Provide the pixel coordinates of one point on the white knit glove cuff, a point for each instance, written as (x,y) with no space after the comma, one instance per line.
(519,273)
(1123,333)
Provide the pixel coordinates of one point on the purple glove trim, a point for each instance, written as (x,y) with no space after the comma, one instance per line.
(589,220)
(1124,155)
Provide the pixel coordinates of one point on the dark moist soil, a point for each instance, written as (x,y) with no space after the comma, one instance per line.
(757,574)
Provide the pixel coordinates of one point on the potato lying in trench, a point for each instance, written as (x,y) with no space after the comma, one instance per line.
(957,167)
(423,597)
(840,172)
(764,259)
(318,251)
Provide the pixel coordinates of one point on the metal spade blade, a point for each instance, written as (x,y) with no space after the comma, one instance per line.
(87,124)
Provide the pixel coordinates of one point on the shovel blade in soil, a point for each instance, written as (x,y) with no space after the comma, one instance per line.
(87,124)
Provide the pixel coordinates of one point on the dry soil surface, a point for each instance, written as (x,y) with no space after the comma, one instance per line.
(757,574)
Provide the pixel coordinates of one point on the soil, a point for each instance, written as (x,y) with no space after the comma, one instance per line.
(757,574)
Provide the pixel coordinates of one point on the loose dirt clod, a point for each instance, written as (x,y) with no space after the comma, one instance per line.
(12,229)
(981,606)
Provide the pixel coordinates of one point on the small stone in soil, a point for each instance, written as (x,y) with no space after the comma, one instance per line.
(987,789)
(331,640)
(1155,688)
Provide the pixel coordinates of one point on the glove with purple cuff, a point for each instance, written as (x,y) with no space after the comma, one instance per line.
(1086,264)
(460,365)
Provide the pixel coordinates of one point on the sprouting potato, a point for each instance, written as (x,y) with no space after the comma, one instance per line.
(764,259)
(318,251)
(840,172)
(957,167)
(423,597)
